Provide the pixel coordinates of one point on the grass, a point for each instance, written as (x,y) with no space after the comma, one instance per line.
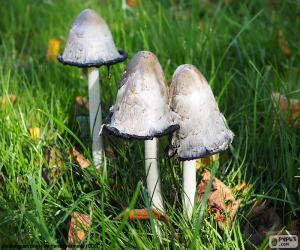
(235,45)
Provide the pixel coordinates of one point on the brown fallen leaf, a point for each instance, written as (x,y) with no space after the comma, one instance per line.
(258,209)
(295,226)
(131,3)
(6,99)
(53,49)
(221,202)
(143,214)
(79,225)
(261,222)
(283,44)
(79,158)
(34,133)
(289,108)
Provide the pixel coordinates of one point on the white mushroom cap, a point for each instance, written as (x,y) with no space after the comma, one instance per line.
(202,127)
(90,43)
(141,110)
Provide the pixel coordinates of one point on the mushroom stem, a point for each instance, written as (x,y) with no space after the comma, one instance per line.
(95,115)
(152,172)
(189,187)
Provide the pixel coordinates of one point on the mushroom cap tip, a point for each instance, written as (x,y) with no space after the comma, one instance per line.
(90,43)
(141,110)
(203,131)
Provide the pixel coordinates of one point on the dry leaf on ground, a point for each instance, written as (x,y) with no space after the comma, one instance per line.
(79,225)
(258,209)
(143,214)
(79,158)
(289,108)
(260,222)
(295,227)
(221,202)
(131,3)
(53,49)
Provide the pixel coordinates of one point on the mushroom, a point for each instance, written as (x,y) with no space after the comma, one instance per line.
(142,112)
(202,127)
(90,45)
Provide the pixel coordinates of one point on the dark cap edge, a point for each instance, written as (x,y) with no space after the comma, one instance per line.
(98,64)
(197,156)
(114,131)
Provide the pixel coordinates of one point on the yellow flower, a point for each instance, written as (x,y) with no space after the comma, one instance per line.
(53,49)
(206,161)
(34,133)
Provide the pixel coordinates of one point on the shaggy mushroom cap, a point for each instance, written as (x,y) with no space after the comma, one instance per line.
(90,43)
(141,110)
(202,127)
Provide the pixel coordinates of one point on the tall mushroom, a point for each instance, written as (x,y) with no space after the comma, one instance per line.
(90,45)
(142,112)
(202,127)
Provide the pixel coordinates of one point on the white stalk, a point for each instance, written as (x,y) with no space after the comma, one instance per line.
(152,172)
(189,187)
(95,115)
